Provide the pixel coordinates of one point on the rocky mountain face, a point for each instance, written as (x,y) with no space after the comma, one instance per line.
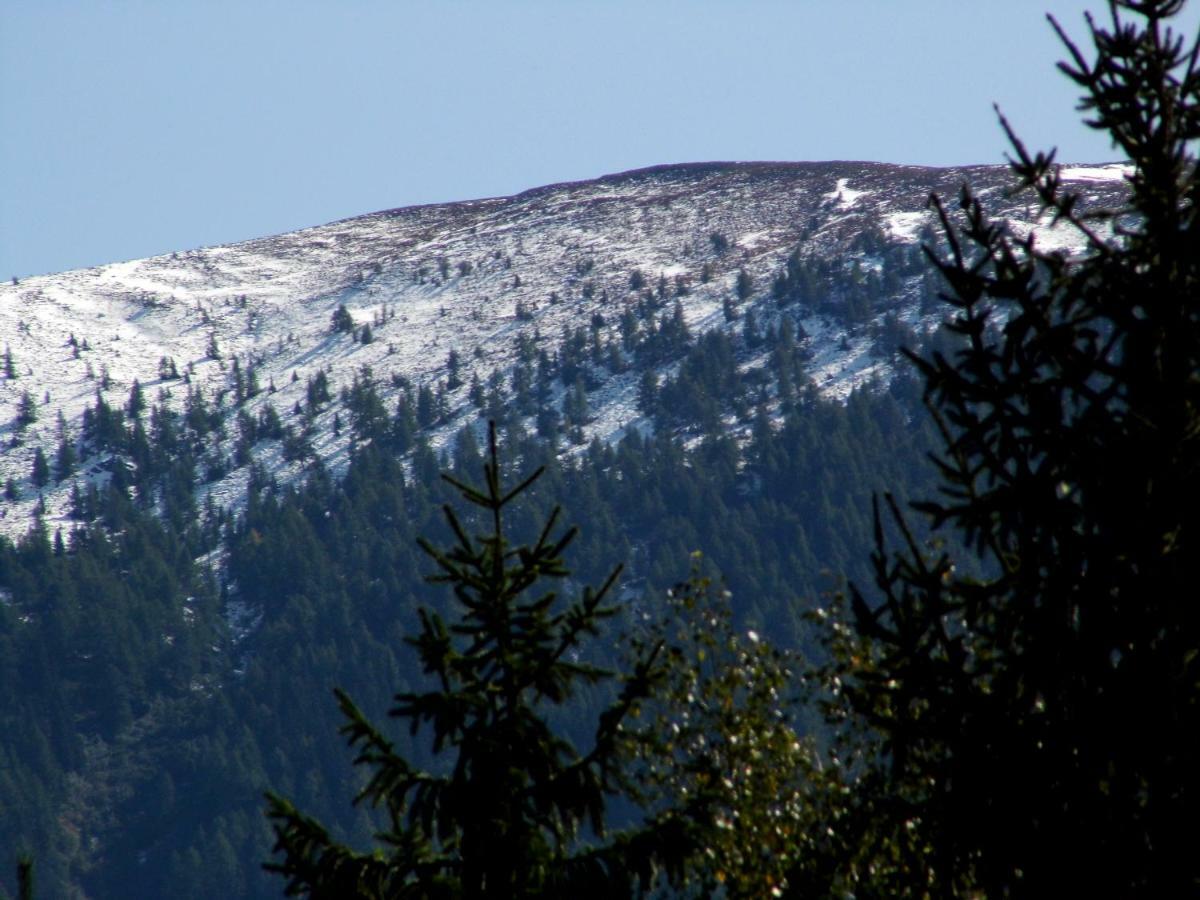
(441,296)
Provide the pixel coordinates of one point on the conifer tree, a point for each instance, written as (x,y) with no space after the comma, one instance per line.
(40,475)
(518,811)
(342,321)
(745,285)
(454,375)
(1025,717)
(27,412)
(136,404)
(64,456)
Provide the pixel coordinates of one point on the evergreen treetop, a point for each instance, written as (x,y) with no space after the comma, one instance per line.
(1023,715)
(518,811)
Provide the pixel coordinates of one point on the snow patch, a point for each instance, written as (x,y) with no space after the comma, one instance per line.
(844,195)
(565,253)
(1109,172)
(753,239)
(904,226)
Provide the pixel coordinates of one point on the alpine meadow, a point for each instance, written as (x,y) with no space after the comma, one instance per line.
(730,529)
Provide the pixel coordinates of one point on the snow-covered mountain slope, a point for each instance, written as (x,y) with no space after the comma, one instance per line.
(469,277)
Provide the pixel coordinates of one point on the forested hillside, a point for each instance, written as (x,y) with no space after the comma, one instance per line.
(142,758)
(214,515)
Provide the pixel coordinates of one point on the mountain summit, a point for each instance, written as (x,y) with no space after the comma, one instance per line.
(445,295)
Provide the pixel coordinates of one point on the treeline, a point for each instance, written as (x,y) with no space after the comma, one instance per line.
(159,723)
(156,697)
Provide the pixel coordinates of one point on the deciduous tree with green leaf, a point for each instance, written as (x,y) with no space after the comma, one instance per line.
(715,753)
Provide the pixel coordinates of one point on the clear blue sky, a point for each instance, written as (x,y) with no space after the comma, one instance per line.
(134,128)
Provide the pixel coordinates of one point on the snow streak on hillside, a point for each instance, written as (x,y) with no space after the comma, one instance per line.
(469,277)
